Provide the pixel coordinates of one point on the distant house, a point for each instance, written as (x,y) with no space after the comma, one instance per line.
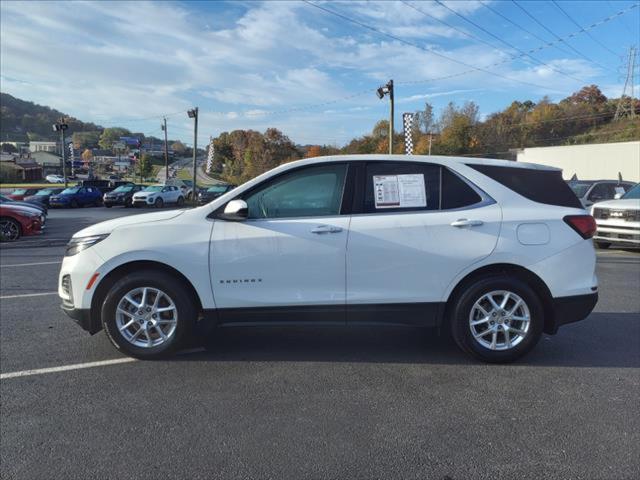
(51,147)
(50,162)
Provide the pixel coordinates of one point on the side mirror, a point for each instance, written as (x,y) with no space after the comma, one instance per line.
(235,210)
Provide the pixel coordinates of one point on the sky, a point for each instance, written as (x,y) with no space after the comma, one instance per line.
(309,69)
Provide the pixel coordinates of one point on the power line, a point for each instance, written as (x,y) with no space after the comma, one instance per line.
(566,14)
(415,45)
(555,35)
(480,27)
(529,32)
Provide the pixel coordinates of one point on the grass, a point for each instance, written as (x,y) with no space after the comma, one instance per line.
(32,185)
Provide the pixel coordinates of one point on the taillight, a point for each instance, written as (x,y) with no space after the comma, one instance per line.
(584,225)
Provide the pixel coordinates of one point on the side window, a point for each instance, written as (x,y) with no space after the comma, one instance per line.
(456,193)
(401,187)
(308,192)
(599,192)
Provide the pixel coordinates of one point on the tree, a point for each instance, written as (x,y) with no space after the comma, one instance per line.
(179,148)
(9,148)
(87,156)
(82,140)
(145,166)
(112,135)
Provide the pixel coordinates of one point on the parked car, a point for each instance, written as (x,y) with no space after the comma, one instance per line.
(211,193)
(20,193)
(41,197)
(123,195)
(157,196)
(54,178)
(17,221)
(105,186)
(77,196)
(186,186)
(592,191)
(41,209)
(498,252)
(618,221)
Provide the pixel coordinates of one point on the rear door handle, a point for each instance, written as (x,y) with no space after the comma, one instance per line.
(463,222)
(321,229)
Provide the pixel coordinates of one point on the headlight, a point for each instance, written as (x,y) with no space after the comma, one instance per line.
(76,245)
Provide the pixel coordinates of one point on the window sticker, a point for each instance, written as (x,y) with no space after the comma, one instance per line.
(399,191)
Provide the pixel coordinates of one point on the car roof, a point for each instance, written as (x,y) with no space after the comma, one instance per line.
(440,159)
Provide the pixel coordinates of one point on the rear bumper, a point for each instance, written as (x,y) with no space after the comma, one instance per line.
(82,316)
(571,309)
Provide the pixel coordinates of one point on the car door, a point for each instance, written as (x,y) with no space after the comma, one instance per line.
(414,228)
(286,261)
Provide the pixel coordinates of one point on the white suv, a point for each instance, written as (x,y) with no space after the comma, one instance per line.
(496,251)
(157,196)
(618,221)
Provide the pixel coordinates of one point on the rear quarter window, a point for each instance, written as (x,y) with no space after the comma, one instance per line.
(542,186)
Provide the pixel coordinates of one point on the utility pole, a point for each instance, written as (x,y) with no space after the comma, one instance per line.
(60,126)
(388,90)
(193,113)
(430,140)
(166,150)
(626,104)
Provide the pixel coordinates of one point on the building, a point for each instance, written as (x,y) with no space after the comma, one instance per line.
(52,147)
(589,162)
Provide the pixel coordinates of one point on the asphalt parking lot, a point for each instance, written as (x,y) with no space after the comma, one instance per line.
(314,403)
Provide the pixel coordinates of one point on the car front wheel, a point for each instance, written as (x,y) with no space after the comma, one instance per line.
(10,230)
(159,203)
(148,314)
(497,319)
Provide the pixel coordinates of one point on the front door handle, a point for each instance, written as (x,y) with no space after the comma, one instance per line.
(321,229)
(463,222)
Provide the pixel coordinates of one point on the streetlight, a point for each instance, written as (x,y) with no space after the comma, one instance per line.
(381,92)
(193,113)
(60,126)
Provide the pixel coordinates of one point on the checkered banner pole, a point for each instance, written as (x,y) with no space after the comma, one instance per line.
(71,157)
(407,121)
(210,155)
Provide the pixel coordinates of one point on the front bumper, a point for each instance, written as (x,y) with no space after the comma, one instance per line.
(114,200)
(82,316)
(571,309)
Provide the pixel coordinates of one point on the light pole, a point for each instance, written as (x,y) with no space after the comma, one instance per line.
(193,113)
(166,150)
(60,126)
(381,92)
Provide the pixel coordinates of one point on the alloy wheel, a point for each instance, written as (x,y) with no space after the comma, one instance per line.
(499,320)
(146,317)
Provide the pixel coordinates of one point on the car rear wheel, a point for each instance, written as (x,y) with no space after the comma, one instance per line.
(159,203)
(127,203)
(108,205)
(148,314)
(602,245)
(497,319)
(180,201)
(10,230)
(74,204)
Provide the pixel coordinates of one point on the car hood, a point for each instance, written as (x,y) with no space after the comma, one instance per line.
(22,208)
(144,194)
(110,225)
(622,204)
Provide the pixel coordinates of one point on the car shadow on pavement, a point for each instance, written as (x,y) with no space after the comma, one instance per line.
(602,340)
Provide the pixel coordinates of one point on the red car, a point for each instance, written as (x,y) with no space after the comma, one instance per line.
(17,221)
(20,193)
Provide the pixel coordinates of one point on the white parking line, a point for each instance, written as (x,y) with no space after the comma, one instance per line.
(64,368)
(23,295)
(30,264)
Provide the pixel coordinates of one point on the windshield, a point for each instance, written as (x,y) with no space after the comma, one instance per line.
(70,191)
(153,188)
(20,191)
(634,193)
(46,191)
(217,189)
(580,189)
(123,188)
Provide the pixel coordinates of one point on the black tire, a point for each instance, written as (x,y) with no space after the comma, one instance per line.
(74,204)
(461,311)
(159,203)
(108,205)
(602,245)
(11,229)
(155,279)
(128,203)
(180,201)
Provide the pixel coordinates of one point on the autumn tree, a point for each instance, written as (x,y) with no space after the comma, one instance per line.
(112,135)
